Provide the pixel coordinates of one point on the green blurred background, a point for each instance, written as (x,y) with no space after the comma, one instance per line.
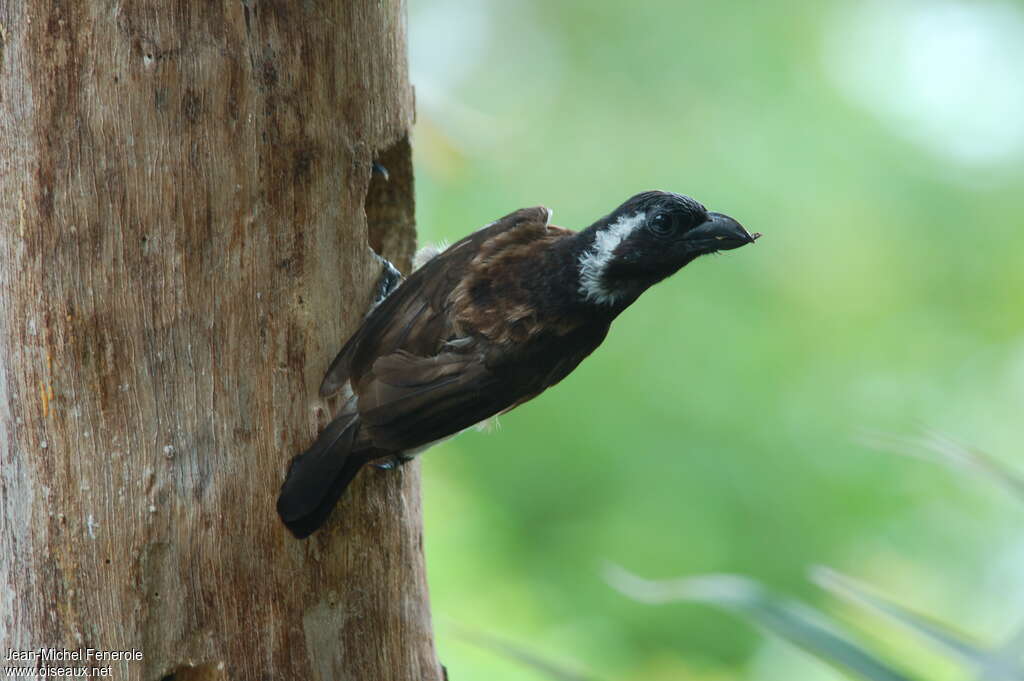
(880,149)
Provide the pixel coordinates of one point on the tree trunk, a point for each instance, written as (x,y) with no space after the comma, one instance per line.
(186,207)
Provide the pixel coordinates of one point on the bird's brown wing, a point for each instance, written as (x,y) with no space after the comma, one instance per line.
(421,368)
(416,317)
(408,401)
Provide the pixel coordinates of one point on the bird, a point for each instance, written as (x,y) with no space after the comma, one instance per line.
(482,327)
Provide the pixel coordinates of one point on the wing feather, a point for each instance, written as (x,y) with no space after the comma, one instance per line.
(415,316)
(409,416)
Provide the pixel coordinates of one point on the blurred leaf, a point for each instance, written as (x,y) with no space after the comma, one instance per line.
(934,446)
(993,665)
(513,651)
(799,624)
(1010,652)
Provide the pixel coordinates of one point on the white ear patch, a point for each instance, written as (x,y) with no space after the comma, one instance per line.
(595,259)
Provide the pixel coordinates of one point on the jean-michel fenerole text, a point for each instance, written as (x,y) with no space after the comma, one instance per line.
(71,655)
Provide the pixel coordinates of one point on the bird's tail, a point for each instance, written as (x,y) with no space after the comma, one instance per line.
(318,476)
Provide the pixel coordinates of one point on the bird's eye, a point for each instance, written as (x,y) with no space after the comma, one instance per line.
(662,224)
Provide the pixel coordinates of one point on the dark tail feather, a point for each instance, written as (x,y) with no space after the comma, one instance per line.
(318,476)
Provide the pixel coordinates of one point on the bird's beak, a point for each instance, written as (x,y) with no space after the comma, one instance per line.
(720,233)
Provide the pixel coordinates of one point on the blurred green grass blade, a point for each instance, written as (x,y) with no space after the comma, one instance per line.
(513,651)
(1010,653)
(992,664)
(850,590)
(934,446)
(799,624)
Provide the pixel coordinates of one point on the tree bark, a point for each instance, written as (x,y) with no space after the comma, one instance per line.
(186,209)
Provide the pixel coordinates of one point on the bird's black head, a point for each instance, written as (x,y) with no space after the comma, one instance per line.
(648,238)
